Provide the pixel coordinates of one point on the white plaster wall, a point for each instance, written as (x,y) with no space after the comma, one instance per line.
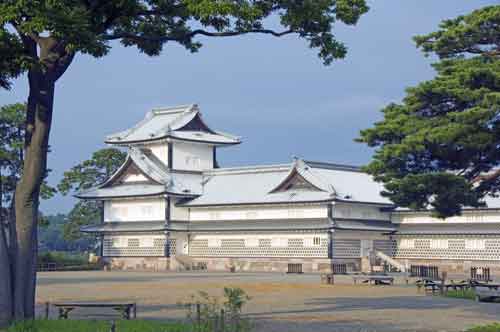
(359,211)
(160,150)
(134,210)
(192,156)
(181,242)
(478,216)
(321,235)
(281,212)
(178,213)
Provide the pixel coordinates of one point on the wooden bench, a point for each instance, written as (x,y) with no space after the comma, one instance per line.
(327,278)
(127,310)
(375,279)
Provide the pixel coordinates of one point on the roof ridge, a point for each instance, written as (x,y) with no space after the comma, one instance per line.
(174,109)
(333,166)
(248,169)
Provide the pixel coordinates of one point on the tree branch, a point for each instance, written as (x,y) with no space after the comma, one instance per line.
(194,33)
(487,177)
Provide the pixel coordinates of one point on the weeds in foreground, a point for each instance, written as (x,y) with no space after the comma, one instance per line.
(208,314)
(64,325)
(495,327)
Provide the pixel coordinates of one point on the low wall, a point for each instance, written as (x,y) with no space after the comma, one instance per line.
(263,264)
(137,263)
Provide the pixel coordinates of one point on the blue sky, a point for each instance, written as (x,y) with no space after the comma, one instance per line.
(275,93)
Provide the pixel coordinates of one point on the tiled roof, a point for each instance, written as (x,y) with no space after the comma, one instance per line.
(241,225)
(123,191)
(255,185)
(171,122)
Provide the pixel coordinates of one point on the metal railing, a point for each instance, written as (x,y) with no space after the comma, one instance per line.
(423,271)
(294,268)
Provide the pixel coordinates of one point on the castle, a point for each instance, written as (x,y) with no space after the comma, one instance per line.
(170,206)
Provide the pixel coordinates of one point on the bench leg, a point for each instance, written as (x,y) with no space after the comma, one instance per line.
(63,312)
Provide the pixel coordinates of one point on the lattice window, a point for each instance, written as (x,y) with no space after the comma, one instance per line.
(238,247)
(296,242)
(172,246)
(144,246)
(133,243)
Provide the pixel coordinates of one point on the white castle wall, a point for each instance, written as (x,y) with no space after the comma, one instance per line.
(178,213)
(160,150)
(467,217)
(135,210)
(359,211)
(259,212)
(192,156)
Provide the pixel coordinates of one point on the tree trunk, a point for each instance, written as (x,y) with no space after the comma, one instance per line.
(38,123)
(5,281)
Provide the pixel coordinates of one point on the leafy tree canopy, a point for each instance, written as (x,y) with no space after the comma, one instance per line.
(440,148)
(476,33)
(87,26)
(87,174)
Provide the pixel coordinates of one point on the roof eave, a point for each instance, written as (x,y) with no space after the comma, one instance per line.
(159,138)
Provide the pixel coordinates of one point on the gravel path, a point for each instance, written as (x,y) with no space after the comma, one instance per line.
(280,302)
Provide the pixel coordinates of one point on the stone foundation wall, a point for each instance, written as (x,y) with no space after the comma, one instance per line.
(457,267)
(137,263)
(263,264)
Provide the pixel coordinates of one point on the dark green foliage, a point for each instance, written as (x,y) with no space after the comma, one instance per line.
(440,147)
(51,237)
(85,175)
(91,172)
(476,33)
(88,26)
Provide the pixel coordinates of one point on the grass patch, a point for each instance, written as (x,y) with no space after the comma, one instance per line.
(495,327)
(467,294)
(97,326)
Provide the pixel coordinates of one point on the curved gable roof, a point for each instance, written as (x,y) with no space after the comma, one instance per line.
(180,122)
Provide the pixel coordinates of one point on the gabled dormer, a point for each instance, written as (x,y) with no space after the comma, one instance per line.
(176,136)
(302,178)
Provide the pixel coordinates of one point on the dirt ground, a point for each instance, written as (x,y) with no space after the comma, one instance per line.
(280,302)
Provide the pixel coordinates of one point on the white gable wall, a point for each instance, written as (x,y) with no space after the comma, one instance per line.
(192,156)
(135,178)
(135,210)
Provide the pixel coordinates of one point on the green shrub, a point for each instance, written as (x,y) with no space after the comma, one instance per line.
(495,327)
(467,294)
(62,258)
(97,326)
